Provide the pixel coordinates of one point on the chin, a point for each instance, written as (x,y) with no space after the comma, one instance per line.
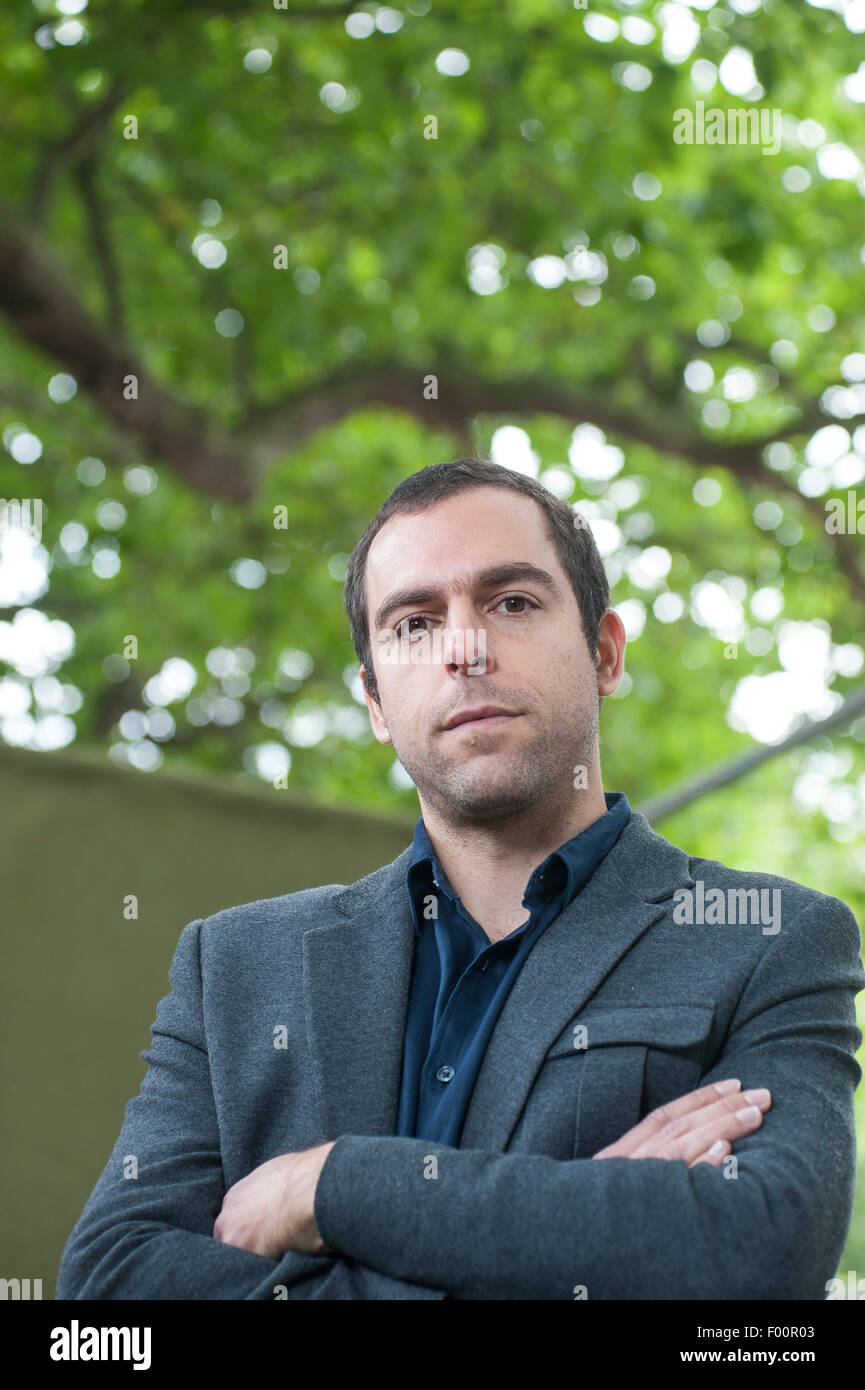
(492,800)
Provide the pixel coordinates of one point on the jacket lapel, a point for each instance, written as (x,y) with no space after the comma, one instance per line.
(356,978)
(572,958)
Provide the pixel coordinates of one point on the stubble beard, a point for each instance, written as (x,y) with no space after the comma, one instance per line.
(466,789)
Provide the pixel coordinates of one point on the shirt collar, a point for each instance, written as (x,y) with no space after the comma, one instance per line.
(572,864)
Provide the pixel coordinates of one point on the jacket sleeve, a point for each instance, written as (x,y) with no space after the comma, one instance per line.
(772,1225)
(150,1235)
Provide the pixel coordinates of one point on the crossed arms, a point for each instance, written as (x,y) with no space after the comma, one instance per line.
(676,1224)
(272,1209)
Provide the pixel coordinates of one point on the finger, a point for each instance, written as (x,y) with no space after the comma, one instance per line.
(736,1126)
(674,1110)
(714,1156)
(729,1124)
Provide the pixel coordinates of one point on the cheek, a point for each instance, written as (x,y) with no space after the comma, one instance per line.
(578,676)
(405,710)
(558,675)
(412,688)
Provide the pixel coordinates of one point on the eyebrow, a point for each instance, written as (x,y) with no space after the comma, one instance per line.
(510,572)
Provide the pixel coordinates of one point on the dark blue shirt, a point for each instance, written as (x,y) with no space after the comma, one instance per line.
(460,979)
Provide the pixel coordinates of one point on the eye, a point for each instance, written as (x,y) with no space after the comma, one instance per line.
(517,598)
(401,629)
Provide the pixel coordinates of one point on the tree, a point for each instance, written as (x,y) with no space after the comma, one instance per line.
(258,266)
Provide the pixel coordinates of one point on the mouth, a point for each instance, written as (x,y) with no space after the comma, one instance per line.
(487,721)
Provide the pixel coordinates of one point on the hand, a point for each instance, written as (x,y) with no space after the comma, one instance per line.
(271,1209)
(689,1126)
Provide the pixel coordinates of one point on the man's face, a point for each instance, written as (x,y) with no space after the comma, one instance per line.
(537,664)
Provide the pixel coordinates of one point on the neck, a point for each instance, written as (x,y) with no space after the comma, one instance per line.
(489,863)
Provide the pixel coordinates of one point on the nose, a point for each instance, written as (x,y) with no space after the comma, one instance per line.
(465,643)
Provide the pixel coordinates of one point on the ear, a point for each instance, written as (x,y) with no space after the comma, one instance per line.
(611,653)
(379,727)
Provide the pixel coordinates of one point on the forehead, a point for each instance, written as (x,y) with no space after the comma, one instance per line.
(471,529)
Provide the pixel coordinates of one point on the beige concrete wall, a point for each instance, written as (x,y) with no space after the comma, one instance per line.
(80,983)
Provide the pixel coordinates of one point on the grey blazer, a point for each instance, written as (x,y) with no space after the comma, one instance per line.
(284,1029)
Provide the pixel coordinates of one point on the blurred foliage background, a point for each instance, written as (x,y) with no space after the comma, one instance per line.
(259,263)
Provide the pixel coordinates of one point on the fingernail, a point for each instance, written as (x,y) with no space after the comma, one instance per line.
(757,1097)
(718,1147)
(749,1116)
(725,1087)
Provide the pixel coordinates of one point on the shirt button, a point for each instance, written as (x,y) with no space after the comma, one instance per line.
(445,1073)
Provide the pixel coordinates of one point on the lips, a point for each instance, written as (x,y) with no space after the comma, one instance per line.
(488,714)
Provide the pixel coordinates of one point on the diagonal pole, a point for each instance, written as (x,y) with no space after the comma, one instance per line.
(665,803)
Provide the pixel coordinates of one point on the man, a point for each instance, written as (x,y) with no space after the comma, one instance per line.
(544,1053)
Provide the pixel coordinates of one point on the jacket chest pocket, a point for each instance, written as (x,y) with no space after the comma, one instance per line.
(630,1060)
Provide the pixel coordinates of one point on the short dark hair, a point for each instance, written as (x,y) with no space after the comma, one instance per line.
(572,538)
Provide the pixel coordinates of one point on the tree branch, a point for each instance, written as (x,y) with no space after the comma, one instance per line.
(461,397)
(47,313)
(97,217)
(77,144)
